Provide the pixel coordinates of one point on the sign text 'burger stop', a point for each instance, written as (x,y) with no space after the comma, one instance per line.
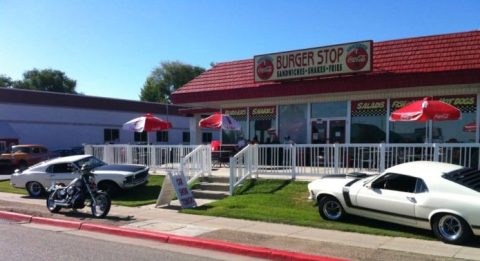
(330,60)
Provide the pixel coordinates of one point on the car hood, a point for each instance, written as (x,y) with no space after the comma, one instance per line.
(124,168)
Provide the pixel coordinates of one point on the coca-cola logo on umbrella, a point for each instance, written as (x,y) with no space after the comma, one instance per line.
(357,57)
(265,68)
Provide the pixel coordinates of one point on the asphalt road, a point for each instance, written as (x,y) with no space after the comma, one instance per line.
(30,242)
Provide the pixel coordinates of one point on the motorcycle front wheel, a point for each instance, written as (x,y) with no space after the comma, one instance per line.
(102,206)
(52,207)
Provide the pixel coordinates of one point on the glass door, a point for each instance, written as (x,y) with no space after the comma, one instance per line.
(337,131)
(325,131)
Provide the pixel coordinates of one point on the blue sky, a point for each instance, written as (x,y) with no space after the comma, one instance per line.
(110,47)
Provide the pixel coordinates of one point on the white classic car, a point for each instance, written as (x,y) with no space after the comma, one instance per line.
(110,178)
(430,195)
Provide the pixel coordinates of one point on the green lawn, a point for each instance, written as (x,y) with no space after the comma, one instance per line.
(277,201)
(142,195)
(6,187)
(281,201)
(139,196)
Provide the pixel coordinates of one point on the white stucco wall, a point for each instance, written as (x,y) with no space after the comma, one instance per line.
(63,127)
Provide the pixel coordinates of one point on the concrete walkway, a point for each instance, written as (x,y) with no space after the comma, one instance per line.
(279,236)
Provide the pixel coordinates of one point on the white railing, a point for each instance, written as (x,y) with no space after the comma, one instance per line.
(243,165)
(197,163)
(323,159)
(157,157)
(288,160)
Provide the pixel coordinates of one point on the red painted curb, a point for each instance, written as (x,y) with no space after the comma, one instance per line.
(293,256)
(221,246)
(57,222)
(120,231)
(15,216)
(217,245)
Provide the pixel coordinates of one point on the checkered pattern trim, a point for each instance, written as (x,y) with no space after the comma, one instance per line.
(369,113)
(263,117)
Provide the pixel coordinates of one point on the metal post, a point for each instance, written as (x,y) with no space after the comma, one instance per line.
(232,180)
(129,154)
(336,156)
(153,154)
(382,156)
(436,152)
(293,154)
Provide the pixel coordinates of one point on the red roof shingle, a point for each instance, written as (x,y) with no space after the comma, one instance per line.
(394,62)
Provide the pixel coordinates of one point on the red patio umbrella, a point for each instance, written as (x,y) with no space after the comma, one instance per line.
(219,121)
(147,123)
(426,110)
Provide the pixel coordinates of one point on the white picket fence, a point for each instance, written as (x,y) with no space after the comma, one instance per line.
(287,160)
(194,160)
(321,159)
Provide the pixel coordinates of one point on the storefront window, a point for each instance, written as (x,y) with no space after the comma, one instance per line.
(441,131)
(368,121)
(263,124)
(292,122)
(329,109)
(404,131)
(232,136)
(140,137)
(462,130)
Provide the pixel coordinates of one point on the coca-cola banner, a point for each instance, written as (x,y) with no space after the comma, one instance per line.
(315,62)
(369,108)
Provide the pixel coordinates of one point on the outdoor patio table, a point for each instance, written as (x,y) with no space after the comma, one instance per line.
(221,157)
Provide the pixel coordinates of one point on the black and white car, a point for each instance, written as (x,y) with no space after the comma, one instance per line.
(430,195)
(110,178)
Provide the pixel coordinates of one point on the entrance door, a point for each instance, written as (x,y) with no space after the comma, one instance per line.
(331,130)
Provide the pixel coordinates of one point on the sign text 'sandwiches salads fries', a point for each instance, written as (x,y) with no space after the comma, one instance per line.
(323,61)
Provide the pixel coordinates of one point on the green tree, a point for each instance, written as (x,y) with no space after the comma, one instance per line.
(46,80)
(5,81)
(166,78)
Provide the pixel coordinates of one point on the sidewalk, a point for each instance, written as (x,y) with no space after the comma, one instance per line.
(278,236)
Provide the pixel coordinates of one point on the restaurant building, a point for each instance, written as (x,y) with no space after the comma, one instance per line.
(344,93)
(62,121)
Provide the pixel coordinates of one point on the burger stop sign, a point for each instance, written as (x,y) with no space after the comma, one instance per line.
(323,61)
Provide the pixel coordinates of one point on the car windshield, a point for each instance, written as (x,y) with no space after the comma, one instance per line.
(92,161)
(20,149)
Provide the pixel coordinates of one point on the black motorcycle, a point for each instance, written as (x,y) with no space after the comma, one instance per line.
(80,192)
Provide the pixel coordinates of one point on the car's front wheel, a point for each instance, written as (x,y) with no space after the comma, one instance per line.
(110,187)
(35,189)
(330,208)
(451,229)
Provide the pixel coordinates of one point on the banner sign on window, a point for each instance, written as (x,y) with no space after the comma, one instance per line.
(263,113)
(315,62)
(369,108)
(398,103)
(465,103)
(237,113)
